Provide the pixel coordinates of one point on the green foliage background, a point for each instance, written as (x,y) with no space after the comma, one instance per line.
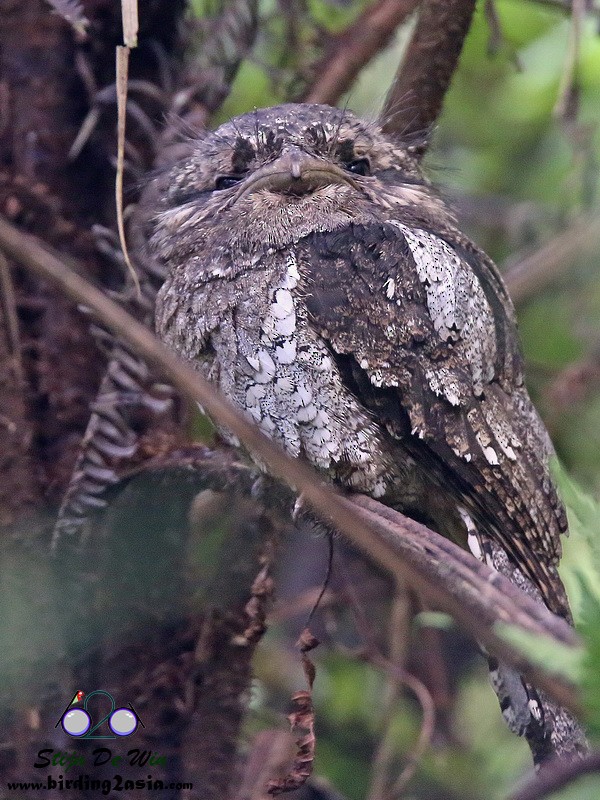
(517,174)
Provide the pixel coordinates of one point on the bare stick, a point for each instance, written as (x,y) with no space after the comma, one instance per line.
(129,14)
(425,700)
(122,69)
(397,675)
(416,96)
(353,48)
(398,636)
(537,270)
(450,578)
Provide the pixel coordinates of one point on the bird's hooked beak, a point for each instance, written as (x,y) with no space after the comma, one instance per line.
(294,172)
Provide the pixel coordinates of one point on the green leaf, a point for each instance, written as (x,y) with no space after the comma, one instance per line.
(580,564)
(590,677)
(434,619)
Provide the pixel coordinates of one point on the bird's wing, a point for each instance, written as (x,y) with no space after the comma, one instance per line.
(424,334)
(189,311)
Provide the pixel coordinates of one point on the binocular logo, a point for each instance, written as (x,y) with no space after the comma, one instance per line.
(77,721)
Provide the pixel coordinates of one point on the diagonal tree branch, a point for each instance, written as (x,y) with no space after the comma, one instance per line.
(448,577)
(415,99)
(535,271)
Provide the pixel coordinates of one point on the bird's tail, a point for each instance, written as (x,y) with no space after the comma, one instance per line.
(551,730)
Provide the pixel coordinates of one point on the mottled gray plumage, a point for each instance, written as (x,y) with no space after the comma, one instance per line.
(320,282)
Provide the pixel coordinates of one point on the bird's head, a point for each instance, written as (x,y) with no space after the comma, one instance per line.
(274,175)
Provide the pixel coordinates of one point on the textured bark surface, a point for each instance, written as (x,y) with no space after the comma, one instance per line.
(19,489)
(50,79)
(50,365)
(42,192)
(415,99)
(175,636)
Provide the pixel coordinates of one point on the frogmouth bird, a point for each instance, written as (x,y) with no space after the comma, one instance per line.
(317,278)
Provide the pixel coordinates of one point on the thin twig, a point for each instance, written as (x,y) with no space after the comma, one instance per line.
(302,603)
(122,68)
(419,749)
(398,635)
(129,14)
(435,667)
(349,51)
(536,271)
(557,775)
(575,382)
(449,577)
(398,676)
(418,688)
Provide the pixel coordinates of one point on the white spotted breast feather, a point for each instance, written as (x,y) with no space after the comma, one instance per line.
(251,337)
(423,333)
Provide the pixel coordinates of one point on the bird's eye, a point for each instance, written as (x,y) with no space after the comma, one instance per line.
(227,181)
(359,167)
